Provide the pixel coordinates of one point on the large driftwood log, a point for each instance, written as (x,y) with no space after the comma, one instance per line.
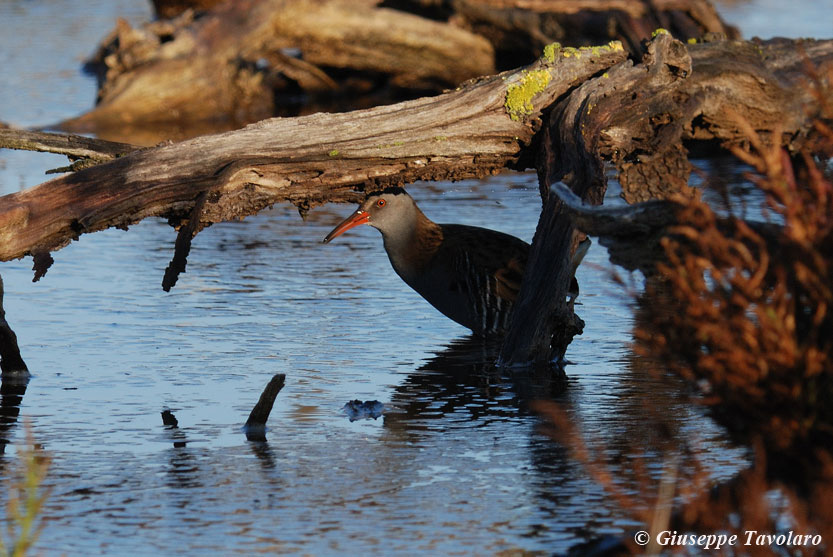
(247,60)
(474,131)
(232,63)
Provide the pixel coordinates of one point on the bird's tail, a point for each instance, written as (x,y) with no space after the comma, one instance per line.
(581,251)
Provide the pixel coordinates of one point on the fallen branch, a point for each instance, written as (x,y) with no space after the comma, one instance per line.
(471,132)
(474,131)
(632,234)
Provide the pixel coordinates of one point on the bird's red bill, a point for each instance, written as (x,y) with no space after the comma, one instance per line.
(354,220)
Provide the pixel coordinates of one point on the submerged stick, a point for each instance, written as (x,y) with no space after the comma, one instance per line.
(256,424)
(168,419)
(632,234)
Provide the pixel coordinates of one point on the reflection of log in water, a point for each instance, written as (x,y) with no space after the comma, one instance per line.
(465,376)
(184,470)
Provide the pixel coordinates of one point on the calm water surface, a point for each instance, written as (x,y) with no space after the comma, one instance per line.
(456,465)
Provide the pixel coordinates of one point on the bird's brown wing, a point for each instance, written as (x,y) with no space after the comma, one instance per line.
(488,267)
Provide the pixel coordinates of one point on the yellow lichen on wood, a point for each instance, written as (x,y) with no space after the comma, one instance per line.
(519,95)
(550,52)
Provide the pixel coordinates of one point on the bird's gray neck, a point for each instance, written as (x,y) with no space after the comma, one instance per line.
(400,241)
(410,242)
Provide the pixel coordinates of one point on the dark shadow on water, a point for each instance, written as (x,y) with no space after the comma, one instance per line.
(462,383)
(644,417)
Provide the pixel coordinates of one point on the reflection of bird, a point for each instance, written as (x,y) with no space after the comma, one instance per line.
(471,274)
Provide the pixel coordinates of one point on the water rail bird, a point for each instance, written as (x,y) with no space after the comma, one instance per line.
(470,274)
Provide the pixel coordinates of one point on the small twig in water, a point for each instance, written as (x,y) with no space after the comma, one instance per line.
(256,424)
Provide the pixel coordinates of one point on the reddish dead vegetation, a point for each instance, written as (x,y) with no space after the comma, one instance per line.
(743,313)
(750,318)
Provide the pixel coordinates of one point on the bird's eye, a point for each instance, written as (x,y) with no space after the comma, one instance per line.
(381,203)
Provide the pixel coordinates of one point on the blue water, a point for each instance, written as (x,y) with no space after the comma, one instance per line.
(456,465)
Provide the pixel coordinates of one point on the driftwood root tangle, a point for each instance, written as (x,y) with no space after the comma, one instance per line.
(640,118)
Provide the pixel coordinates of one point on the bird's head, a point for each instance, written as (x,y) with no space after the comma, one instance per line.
(388,210)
